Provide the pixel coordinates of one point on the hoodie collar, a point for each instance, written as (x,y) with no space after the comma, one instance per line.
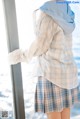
(61,14)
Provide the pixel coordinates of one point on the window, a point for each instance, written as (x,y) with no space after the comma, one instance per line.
(24,11)
(6,95)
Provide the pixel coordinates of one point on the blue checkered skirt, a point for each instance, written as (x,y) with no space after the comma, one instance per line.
(49,97)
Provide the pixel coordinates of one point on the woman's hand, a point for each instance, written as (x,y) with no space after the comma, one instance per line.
(15,56)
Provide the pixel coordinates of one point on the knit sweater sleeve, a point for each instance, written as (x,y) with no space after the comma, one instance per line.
(45,30)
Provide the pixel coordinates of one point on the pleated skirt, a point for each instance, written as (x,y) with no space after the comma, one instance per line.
(50,97)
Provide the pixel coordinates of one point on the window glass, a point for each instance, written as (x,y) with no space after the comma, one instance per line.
(24,11)
(76,49)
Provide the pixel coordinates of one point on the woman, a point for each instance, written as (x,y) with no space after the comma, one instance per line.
(57,88)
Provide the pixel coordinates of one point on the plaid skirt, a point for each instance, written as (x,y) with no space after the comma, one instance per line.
(49,97)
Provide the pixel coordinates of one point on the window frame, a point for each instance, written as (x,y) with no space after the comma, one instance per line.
(13,43)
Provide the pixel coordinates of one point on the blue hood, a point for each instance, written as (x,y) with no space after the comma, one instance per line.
(61,14)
